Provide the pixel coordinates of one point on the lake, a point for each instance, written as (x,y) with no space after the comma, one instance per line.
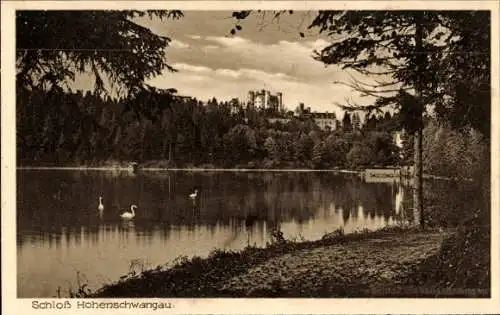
(63,239)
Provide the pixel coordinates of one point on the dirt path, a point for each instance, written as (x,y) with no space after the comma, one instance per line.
(347,269)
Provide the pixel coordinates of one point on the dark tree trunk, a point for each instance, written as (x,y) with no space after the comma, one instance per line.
(418,195)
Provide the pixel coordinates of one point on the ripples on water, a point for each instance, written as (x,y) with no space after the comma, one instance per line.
(60,231)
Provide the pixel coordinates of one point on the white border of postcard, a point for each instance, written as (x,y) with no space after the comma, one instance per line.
(12,305)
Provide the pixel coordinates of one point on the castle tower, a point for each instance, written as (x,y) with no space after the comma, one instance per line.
(280,101)
(251,99)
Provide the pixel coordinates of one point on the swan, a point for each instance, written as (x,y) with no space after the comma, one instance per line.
(194,195)
(129,215)
(100,206)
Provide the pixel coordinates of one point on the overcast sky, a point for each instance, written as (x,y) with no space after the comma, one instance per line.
(265,54)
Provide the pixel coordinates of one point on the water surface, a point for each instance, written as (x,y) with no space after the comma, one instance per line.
(63,239)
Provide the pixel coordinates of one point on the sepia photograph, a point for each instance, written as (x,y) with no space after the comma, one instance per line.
(249,152)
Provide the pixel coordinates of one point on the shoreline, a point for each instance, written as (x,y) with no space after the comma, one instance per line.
(83,168)
(243,170)
(388,262)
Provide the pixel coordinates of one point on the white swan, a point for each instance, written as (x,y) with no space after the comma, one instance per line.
(129,215)
(194,195)
(100,207)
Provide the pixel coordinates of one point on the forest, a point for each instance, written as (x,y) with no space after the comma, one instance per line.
(83,129)
(443,56)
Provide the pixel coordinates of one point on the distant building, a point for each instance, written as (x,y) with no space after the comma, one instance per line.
(263,99)
(325,121)
(235,105)
(301,111)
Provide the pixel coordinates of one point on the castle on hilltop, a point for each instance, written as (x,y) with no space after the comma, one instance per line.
(263,99)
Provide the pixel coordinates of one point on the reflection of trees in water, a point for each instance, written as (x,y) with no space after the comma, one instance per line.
(269,197)
(298,198)
(376,199)
(225,199)
(404,214)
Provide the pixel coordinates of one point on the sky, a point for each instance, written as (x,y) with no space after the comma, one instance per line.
(266,54)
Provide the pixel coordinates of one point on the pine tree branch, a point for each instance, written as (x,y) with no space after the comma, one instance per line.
(351,106)
(370,90)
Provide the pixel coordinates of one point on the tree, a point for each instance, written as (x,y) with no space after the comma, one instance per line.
(371,123)
(52,46)
(271,149)
(318,154)
(386,152)
(389,45)
(451,154)
(406,49)
(465,72)
(420,58)
(360,155)
(346,122)
(240,143)
(303,148)
(356,121)
(337,147)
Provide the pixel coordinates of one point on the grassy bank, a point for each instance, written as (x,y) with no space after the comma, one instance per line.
(387,263)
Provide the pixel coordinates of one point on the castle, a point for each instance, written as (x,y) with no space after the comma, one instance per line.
(273,104)
(263,99)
